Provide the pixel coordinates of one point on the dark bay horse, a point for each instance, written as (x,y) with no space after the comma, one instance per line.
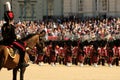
(12,63)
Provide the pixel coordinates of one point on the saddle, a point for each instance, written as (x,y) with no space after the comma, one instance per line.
(12,52)
(14,48)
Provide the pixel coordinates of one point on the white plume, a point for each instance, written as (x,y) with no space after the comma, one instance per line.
(8,6)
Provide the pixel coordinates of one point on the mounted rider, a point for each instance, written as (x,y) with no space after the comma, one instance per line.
(9,36)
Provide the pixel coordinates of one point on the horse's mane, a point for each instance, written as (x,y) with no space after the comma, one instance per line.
(27,37)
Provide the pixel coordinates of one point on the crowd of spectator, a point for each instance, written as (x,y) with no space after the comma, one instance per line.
(71,29)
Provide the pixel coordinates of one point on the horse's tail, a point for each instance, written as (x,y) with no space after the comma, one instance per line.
(2,57)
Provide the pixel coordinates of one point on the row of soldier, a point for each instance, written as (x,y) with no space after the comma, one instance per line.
(100,52)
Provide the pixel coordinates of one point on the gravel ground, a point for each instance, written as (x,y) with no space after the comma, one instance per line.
(61,72)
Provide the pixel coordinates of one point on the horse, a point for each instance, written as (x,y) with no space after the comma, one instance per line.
(12,63)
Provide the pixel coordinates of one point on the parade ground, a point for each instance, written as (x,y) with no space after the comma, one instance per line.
(61,72)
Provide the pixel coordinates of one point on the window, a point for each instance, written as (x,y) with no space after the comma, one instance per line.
(33,11)
(21,10)
(80,5)
(96,6)
(104,5)
(28,10)
(50,7)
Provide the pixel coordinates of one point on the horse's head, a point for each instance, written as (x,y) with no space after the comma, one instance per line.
(41,33)
(31,40)
(42,38)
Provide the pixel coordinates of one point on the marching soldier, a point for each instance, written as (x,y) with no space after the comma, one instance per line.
(74,54)
(61,55)
(80,55)
(87,50)
(109,54)
(68,54)
(116,54)
(102,52)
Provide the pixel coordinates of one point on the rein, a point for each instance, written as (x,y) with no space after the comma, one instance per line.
(28,47)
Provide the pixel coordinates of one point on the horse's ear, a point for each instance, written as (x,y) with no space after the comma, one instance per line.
(42,33)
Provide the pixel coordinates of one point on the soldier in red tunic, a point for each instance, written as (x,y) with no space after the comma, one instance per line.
(74,54)
(80,55)
(47,53)
(57,52)
(116,54)
(52,54)
(109,54)
(94,56)
(68,54)
(61,54)
(40,52)
(87,50)
(102,52)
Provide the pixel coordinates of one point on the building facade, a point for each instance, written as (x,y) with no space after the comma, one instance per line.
(92,7)
(37,9)
(33,9)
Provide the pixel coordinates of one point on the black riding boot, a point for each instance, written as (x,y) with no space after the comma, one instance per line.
(22,60)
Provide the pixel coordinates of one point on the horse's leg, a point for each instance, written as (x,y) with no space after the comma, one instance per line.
(1,61)
(15,73)
(22,70)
